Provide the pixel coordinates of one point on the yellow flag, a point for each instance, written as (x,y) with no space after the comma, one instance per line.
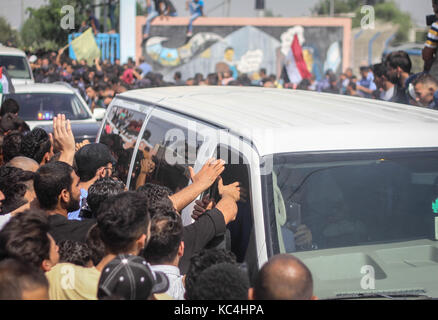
(85,47)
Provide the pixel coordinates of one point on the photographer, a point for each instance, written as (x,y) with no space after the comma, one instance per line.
(431,45)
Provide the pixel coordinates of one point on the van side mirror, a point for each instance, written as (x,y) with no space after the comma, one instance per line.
(99,113)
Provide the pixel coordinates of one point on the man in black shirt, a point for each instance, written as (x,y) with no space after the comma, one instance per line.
(57,190)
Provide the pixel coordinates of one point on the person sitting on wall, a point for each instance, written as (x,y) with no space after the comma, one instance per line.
(196,8)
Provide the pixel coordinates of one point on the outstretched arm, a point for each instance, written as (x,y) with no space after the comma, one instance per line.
(201,182)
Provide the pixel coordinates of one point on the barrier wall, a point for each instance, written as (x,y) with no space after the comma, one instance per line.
(247,44)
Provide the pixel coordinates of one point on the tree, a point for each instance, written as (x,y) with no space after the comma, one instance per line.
(44,23)
(385,11)
(7,33)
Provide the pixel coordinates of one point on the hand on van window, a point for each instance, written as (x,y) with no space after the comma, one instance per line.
(208,173)
(203,205)
(231,190)
(303,237)
(63,139)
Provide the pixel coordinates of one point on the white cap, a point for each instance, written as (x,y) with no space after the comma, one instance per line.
(33,58)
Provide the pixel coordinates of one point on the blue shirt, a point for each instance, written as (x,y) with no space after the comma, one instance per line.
(145,68)
(75,214)
(197,7)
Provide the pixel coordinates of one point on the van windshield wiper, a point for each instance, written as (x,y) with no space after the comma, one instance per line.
(414,294)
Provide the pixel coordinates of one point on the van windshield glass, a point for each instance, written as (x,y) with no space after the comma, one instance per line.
(17,66)
(342,200)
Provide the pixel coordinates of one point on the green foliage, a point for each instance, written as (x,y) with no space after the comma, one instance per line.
(7,33)
(43,27)
(386,11)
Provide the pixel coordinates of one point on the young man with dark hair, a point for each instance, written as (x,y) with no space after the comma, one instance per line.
(26,237)
(200,262)
(223,281)
(386,87)
(124,224)
(101,190)
(21,281)
(57,189)
(11,145)
(94,161)
(36,145)
(9,106)
(283,277)
(212,224)
(76,253)
(165,248)
(399,66)
(426,91)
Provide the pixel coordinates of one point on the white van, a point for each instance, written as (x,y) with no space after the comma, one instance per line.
(15,62)
(356,179)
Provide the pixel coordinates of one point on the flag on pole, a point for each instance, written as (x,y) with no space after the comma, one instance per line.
(85,47)
(296,66)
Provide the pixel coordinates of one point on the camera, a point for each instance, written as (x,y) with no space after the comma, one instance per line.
(431,19)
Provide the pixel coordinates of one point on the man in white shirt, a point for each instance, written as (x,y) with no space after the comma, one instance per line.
(165,248)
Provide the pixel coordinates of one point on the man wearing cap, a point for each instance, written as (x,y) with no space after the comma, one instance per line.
(94,161)
(129,277)
(124,225)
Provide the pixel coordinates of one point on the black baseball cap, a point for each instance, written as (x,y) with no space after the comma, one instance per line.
(130,277)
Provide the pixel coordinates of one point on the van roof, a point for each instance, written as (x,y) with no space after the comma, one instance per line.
(11,51)
(42,88)
(281,120)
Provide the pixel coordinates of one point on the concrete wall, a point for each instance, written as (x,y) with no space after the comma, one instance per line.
(256,43)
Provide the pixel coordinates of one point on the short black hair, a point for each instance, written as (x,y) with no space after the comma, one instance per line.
(379,70)
(11,145)
(17,276)
(9,106)
(223,281)
(154,192)
(425,79)
(35,144)
(165,239)
(50,180)
(101,190)
(122,219)
(74,252)
(399,59)
(25,237)
(201,261)
(90,158)
(96,245)
(14,182)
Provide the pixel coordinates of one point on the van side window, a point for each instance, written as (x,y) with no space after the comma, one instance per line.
(171,151)
(241,229)
(120,134)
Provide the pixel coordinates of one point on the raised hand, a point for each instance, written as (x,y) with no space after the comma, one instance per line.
(208,174)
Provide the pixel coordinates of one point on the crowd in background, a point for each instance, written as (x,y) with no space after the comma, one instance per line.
(390,80)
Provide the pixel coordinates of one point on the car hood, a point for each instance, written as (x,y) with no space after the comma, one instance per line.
(81,130)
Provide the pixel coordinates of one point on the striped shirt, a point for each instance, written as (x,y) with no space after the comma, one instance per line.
(432,37)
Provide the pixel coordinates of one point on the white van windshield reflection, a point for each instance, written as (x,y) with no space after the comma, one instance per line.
(17,66)
(348,200)
(44,106)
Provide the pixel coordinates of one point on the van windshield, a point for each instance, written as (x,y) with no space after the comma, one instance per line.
(324,201)
(17,66)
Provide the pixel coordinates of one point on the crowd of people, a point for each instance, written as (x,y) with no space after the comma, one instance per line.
(70,229)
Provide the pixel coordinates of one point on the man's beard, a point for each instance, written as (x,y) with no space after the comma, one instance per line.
(73,205)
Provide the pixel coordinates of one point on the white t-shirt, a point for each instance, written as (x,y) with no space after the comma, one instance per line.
(176,287)
(4,219)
